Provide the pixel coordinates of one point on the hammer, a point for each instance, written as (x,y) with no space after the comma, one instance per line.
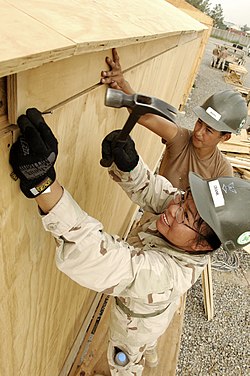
(139,104)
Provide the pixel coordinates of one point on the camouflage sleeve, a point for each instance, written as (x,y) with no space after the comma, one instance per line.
(151,192)
(106,263)
(84,252)
(93,258)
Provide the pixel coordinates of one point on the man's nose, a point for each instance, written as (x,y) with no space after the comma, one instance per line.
(200,130)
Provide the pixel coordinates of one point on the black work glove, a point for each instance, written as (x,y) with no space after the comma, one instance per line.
(33,155)
(123,153)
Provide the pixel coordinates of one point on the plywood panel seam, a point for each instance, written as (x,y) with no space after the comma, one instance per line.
(77,95)
(150,58)
(93,87)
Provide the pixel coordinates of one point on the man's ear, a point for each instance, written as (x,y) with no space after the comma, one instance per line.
(225,137)
(202,246)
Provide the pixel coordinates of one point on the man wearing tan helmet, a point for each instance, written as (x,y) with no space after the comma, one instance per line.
(222,114)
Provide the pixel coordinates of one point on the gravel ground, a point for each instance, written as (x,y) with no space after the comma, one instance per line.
(220,347)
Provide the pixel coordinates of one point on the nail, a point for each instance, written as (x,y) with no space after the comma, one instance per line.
(46,112)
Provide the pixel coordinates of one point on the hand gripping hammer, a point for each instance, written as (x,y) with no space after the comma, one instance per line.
(139,105)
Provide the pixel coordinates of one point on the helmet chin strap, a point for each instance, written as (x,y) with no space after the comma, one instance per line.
(195,252)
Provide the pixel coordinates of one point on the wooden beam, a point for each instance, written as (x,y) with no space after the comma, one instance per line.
(94,358)
(207,286)
(73,359)
(89,324)
(3,102)
(12,98)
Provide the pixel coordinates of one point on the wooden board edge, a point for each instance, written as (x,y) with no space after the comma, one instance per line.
(72,360)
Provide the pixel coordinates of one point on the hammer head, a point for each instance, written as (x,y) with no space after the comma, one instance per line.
(118,99)
(140,104)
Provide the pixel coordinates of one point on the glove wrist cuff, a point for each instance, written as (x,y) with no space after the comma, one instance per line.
(34,189)
(129,165)
(41,187)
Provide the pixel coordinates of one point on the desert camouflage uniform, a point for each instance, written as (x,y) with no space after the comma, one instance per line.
(222,59)
(146,274)
(215,56)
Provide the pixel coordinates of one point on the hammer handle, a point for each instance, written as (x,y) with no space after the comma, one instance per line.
(127,128)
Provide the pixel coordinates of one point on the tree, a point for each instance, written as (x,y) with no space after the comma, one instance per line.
(245,28)
(202,5)
(217,15)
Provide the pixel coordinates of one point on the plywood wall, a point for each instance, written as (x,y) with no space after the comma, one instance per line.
(196,14)
(192,11)
(65,28)
(42,310)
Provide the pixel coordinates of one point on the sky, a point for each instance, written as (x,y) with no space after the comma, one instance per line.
(236,11)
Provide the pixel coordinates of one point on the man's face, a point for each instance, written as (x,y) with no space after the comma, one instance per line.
(183,235)
(206,137)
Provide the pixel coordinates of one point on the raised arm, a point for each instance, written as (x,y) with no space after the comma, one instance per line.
(84,251)
(115,79)
(151,192)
